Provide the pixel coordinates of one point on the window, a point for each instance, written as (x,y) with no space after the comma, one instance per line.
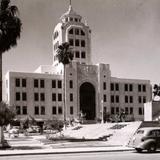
(126,110)
(24,110)
(77,31)
(18,97)
(18,110)
(112,87)
(36,97)
(71,97)
(76,20)
(71,84)
(36,83)
(139,88)
(104,85)
(71,19)
(131,99)
(71,42)
(126,99)
(24,96)
(36,110)
(71,110)
(53,96)
(77,42)
(17,82)
(77,54)
(144,99)
(130,87)
(82,33)
(42,95)
(125,87)
(82,43)
(140,111)
(54,110)
(144,88)
(112,99)
(53,83)
(42,110)
(117,87)
(139,99)
(117,110)
(59,84)
(104,98)
(117,99)
(24,82)
(112,110)
(66,19)
(59,97)
(59,110)
(131,110)
(71,31)
(83,54)
(42,83)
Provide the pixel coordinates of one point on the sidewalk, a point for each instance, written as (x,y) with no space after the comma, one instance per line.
(64,150)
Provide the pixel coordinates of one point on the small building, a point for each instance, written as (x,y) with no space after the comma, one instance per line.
(89,87)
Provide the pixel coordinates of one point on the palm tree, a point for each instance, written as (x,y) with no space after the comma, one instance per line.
(156,90)
(64,56)
(10,29)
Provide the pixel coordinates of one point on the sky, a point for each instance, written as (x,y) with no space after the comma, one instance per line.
(125,34)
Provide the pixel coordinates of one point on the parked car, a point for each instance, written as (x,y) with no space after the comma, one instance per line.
(146,139)
(14,131)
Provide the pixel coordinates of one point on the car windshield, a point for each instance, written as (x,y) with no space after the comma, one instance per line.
(140,132)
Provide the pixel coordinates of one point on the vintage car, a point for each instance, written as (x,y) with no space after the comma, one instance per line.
(146,139)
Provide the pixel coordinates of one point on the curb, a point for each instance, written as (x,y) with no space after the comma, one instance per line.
(64,152)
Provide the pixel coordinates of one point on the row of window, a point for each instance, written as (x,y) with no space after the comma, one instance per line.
(127,110)
(127,87)
(76,31)
(127,99)
(38,83)
(77,42)
(40,110)
(41,96)
(77,54)
(71,19)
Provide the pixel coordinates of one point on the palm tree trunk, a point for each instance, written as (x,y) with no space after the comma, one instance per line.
(64,95)
(1,127)
(0,76)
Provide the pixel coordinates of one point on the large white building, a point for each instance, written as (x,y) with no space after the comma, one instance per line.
(89,88)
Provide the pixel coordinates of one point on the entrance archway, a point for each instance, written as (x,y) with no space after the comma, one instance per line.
(87,100)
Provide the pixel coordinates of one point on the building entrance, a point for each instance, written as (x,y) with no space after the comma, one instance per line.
(87,100)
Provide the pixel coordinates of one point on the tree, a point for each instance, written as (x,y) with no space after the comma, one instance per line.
(10,29)
(7,115)
(64,56)
(156,90)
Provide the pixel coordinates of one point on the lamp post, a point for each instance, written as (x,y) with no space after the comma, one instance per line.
(102,121)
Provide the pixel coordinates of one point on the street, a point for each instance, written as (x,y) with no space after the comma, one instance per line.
(89,156)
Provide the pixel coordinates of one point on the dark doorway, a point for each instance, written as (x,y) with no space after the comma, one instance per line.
(87,100)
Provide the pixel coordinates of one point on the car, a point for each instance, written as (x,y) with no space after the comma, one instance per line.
(146,139)
(14,131)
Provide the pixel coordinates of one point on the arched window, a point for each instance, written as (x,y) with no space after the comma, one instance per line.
(82,33)
(55,35)
(77,31)
(71,31)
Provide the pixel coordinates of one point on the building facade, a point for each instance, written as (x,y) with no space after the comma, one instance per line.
(90,88)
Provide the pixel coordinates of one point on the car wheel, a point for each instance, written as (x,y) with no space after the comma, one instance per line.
(152,148)
(139,150)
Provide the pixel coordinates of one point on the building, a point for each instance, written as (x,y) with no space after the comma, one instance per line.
(90,88)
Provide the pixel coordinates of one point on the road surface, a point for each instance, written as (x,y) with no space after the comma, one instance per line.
(89,156)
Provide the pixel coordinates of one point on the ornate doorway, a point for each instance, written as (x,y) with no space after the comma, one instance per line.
(87,100)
